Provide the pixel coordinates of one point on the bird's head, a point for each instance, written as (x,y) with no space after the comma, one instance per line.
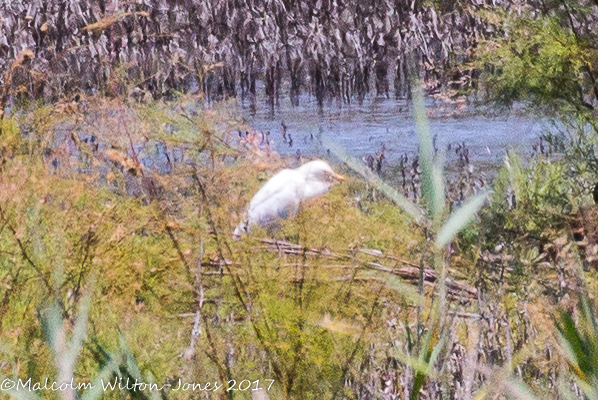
(321,171)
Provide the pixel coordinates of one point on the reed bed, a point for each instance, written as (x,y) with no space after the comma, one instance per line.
(332,49)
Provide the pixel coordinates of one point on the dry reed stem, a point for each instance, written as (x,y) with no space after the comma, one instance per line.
(411,272)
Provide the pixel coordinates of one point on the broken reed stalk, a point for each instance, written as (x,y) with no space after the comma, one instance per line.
(410,271)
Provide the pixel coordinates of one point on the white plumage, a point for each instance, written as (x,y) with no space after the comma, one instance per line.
(281,196)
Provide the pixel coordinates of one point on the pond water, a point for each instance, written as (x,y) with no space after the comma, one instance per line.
(361,129)
(365,128)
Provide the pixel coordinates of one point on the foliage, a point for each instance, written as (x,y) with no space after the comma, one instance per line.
(534,200)
(546,58)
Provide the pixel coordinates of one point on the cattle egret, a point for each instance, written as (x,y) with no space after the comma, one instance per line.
(281,196)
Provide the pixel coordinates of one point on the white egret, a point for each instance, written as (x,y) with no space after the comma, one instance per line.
(281,196)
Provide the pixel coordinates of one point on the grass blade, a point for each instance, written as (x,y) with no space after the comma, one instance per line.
(96,389)
(460,218)
(579,342)
(131,365)
(519,390)
(79,332)
(395,283)
(20,394)
(432,178)
(411,209)
(51,319)
(431,348)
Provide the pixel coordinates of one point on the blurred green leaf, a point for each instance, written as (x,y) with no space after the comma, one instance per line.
(395,283)
(131,365)
(96,390)
(579,342)
(80,329)
(411,209)
(432,172)
(419,366)
(460,218)
(51,319)
(519,390)
(21,394)
(432,345)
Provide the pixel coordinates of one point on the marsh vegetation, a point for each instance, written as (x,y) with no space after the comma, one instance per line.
(121,184)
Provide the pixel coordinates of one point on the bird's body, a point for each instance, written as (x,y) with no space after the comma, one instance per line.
(279,197)
(282,195)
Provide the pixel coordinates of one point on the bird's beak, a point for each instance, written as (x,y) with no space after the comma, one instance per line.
(338,177)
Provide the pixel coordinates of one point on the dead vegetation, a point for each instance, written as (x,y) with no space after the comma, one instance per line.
(145,50)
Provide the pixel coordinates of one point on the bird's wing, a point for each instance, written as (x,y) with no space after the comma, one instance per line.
(278,183)
(280,195)
(315,188)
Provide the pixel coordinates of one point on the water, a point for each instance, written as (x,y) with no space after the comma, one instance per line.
(361,129)
(364,129)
